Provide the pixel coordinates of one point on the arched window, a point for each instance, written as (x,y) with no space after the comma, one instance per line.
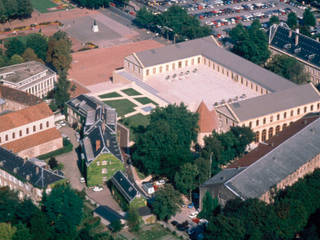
(270,133)
(284,126)
(257,137)
(277,129)
(264,135)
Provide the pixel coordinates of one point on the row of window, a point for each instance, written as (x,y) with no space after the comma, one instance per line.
(284,115)
(173,66)
(270,132)
(14,135)
(42,85)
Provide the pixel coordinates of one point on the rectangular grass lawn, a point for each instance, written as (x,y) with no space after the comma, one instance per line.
(130,92)
(110,95)
(122,106)
(135,121)
(145,100)
(42,5)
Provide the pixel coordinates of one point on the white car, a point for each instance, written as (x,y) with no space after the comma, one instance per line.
(193,214)
(97,189)
(82,180)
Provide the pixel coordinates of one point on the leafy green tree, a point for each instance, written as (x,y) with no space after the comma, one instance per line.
(59,52)
(164,145)
(62,94)
(7,231)
(29,55)
(133,220)
(24,9)
(3,15)
(3,61)
(116,225)
(11,7)
(244,135)
(225,228)
(274,20)
(92,4)
(39,44)
(14,46)
(289,68)
(53,163)
(186,178)
(9,202)
(308,18)
(292,20)
(251,44)
(64,209)
(203,166)
(22,233)
(39,227)
(15,59)
(166,202)
(208,206)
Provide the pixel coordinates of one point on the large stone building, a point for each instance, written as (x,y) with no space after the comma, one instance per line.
(269,114)
(281,162)
(101,156)
(31,77)
(13,99)
(25,177)
(271,103)
(30,132)
(283,40)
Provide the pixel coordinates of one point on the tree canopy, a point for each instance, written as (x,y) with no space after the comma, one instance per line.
(175,23)
(274,20)
(14,46)
(282,219)
(166,202)
(292,20)
(13,9)
(289,68)
(164,145)
(92,4)
(39,44)
(186,178)
(250,43)
(308,18)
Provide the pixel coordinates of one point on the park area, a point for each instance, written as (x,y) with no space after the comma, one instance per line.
(44,6)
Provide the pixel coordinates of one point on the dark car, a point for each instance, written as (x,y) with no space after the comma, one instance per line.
(182,227)
(174,223)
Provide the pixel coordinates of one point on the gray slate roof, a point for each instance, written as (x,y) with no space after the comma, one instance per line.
(276,165)
(208,48)
(275,102)
(16,166)
(307,48)
(124,185)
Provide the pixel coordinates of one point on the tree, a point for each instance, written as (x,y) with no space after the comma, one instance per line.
(9,202)
(11,7)
(59,52)
(133,219)
(251,44)
(15,59)
(164,145)
(22,233)
(29,55)
(186,178)
(64,209)
(3,61)
(62,94)
(116,225)
(7,231)
(53,163)
(203,166)
(289,68)
(92,4)
(39,44)
(308,18)
(208,206)
(24,9)
(292,20)
(14,46)
(274,20)
(244,135)
(166,202)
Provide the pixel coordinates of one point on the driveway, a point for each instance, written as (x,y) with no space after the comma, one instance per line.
(70,160)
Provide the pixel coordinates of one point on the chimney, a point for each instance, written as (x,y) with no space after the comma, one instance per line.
(297,37)
(97,145)
(290,33)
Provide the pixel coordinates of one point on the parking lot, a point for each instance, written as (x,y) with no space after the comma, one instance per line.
(224,14)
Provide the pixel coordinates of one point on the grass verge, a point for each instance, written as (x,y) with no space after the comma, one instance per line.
(145,100)
(122,106)
(130,92)
(110,95)
(42,5)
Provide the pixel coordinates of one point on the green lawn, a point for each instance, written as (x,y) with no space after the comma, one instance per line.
(135,121)
(145,100)
(130,92)
(110,95)
(42,5)
(155,232)
(122,106)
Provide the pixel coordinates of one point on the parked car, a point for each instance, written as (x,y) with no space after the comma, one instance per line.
(82,180)
(97,189)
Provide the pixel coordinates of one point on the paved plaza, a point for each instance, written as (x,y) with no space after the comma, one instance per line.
(110,32)
(192,86)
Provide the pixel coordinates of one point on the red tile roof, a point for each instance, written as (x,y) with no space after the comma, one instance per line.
(18,96)
(264,148)
(24,116)
(32,140)
(208,120)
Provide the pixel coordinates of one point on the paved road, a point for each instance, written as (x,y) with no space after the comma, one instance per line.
(70,160)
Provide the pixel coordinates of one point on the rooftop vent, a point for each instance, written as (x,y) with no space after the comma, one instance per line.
(297,50)
(287,46)
(311,56)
